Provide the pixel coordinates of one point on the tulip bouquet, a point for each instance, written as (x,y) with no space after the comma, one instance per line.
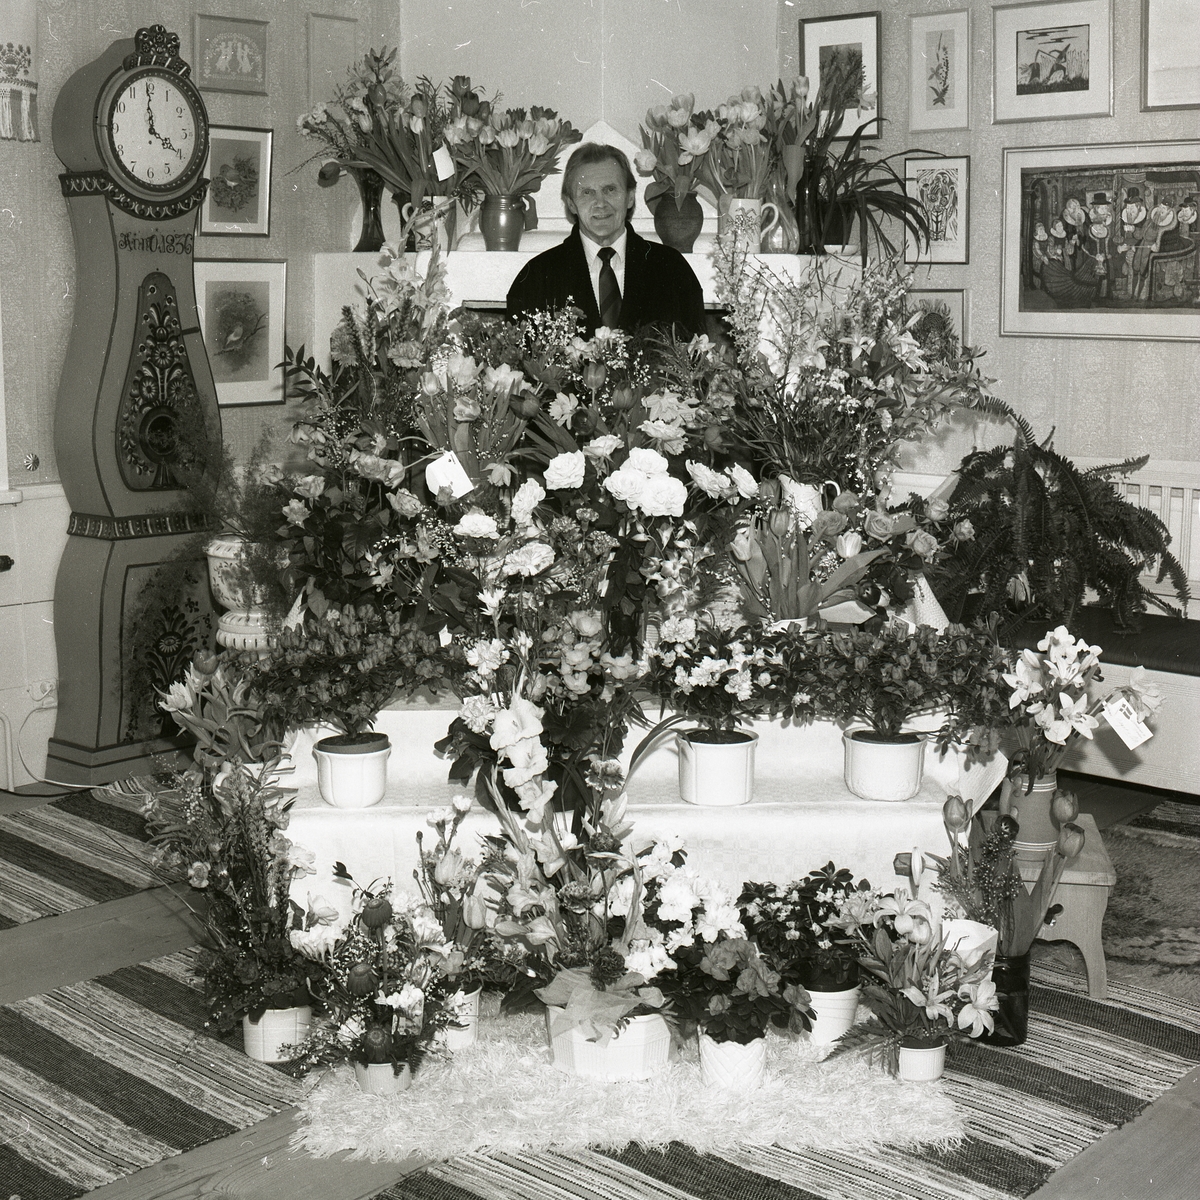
(388,985)
(223,829)
(674,149)
(742,155)
(922,989)
(1050,703)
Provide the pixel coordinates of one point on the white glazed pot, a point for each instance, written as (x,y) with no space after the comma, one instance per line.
(352,780)
(888,770)
(380,1079)
(640,1051)
(465,1008)
(731,1066)
(835,1013)
(749,242)
(278,1027)
(922,1064)
(716,774)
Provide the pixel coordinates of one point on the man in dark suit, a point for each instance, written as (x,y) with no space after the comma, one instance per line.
(613,276)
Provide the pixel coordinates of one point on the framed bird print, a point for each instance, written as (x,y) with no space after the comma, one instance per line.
(238,203)
(241,307)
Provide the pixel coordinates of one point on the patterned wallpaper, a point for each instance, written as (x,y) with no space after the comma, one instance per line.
(37,258)
(1105,399)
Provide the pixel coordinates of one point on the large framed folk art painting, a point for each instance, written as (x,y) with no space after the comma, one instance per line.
(1102,241)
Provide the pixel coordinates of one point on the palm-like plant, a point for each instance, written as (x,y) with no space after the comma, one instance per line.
(1045,532)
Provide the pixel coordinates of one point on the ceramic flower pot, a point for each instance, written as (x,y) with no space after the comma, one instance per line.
(1038,832)
(835,1013)
(243,624)
(922,1064)
(732,1066)
(465,1007)
(381,1079)
(276,1028)
(502,221)
(678,226)
(640,1051)
(879,768)
(352,773)
(1010,974)
(435,221)
(716,767)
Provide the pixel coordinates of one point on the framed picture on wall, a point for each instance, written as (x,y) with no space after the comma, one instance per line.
(846,48)
(1101,241)
(939,69)
(941,314)
(943,185)
(1052,60)
(1170,54)
(238,202)
(332,50)
(230,55)
(241,306)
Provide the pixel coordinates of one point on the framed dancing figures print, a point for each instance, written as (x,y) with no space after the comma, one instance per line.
(940,71)
(238,202)
(1051,60)
(1101,241)
(943,186)
(230,55)
(1170,54)
(847,48)
(241,306)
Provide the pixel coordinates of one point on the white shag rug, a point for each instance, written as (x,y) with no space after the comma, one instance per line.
(504,1094)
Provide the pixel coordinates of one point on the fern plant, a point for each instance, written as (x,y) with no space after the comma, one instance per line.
(1045,532)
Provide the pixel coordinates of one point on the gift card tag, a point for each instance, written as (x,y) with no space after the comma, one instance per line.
(1129,727)
(447,471)
(445,637)
(443,162)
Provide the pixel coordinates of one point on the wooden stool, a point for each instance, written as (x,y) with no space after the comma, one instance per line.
(1083,894)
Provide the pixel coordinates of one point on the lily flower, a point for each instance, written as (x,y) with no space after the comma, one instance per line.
(976,1015)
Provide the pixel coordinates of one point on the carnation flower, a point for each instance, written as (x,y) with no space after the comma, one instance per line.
(562,408)
(530,559)
(526,498)
(477,524)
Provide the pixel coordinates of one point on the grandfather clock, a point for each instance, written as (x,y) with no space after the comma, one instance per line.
(136,391)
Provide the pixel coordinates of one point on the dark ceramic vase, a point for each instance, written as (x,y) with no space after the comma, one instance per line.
(502,221)
(678,226)
(1011,977)
(370,191)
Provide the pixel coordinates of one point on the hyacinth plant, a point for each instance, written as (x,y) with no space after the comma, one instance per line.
(1051,704)
(223,829)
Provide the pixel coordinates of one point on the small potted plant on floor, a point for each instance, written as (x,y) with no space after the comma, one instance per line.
(340,669)
(923,991)
(224,829)
(388,993)
(721,984)
(791,926)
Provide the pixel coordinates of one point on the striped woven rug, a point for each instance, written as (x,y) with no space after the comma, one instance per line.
(102,1078)
(1088,1067)
(72,853)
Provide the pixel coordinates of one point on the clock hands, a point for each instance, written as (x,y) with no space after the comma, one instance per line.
(165,141)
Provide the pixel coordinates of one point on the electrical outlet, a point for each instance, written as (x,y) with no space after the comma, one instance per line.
(44,693)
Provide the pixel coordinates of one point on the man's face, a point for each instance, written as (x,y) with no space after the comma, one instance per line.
(601,201)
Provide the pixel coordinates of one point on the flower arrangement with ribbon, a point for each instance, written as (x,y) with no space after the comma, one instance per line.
(675,147)
(505,153)
(224,829)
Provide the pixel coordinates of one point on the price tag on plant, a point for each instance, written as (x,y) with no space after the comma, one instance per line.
(443,163)
(1129,727)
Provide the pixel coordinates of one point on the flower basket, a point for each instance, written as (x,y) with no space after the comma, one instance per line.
(922,1064)
(265,1038)
(381,1079)
(716,767)
(352,770)
(885,768)
(639,1051)
(732,1066)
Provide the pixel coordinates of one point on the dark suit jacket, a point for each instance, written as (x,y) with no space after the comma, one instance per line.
(660,288)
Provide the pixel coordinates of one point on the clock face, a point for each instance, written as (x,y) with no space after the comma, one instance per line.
(155,131)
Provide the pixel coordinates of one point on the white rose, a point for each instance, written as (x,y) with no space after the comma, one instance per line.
(649,462)
(477,524)
(711,483)
(603,446)
(625,484)
(310,487)
(565,471)
(664,496)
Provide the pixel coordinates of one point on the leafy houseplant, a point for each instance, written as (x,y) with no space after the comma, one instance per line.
(225,829)
(1046,532)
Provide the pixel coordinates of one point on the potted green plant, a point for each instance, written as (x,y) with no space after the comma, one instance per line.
(1045,532)
(339,670)
(792,926)
(224,828)
(387,995)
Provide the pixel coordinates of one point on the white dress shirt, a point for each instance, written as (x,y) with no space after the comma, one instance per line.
(591,252)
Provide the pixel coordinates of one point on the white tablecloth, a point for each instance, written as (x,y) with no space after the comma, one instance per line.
(802,816)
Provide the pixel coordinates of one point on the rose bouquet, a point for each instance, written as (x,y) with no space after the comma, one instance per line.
(674,149)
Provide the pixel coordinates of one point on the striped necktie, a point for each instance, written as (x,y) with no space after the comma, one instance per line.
(610,293)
